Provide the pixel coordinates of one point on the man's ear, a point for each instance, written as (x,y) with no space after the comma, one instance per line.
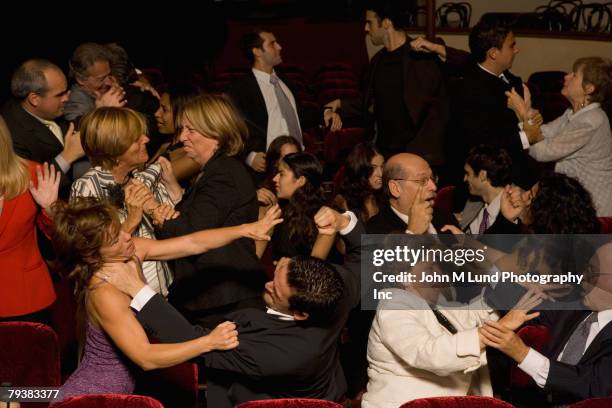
(300,315)
(386,24)
(482,175)
(492,53)
(394,188)
(256,52)
(33,99)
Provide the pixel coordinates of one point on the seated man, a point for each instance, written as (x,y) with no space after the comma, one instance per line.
(577,362)
(410,185)
(287,350)
(487,172)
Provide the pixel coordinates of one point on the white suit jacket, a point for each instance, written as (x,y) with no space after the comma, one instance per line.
(411,355)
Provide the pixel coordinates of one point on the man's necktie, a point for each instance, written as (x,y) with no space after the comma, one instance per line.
(574,349)
(503,78)
(55,129)
(286,109)
(484,224)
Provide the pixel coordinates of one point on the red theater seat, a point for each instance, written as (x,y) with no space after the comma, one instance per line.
(290,403)
(593,403)
(29,355)
(109,401)
(457,402)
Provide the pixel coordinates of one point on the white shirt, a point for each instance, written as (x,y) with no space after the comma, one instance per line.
(277,125)
(537,366)
(406,219)
(522,134)
(493,209)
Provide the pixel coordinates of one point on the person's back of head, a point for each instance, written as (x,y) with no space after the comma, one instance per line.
(496,162)
(562,206)
(250,40)
(488,33)
(398,12)
(121,66)
(317,288)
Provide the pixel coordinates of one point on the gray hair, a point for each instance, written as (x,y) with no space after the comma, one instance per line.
(30,78)
(85,56)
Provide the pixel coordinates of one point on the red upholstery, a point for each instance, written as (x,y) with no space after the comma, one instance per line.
(535,336)
(291,68)
(325,75)
(290,403)
(444,199)
(228,76)
(336,66)
(457,402)
(594,403)
(109,401)
(337,84)
(330,94)
(340,142)
(175,386)
(606,225)
(29,355)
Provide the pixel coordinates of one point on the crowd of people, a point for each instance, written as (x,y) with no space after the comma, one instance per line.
(162,206)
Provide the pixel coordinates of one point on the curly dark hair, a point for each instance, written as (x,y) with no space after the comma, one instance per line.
(355,187)
(562,206)
(318,287)
(305,201)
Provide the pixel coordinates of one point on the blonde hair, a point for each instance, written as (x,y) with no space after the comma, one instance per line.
(216,118)
(107,133)
(14,171)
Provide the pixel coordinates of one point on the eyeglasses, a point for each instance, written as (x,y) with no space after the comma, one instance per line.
(422,181)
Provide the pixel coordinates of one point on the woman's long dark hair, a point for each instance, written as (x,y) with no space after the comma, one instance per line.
(563,206)
(306,200)
(355,187)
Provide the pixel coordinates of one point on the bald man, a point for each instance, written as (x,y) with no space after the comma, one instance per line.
(410,186)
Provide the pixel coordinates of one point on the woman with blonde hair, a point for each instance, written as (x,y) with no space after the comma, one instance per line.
(26,289)
(223,195)
(115,141)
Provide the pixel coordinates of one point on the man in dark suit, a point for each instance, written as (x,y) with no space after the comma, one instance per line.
(410,185)
(267,103)
(288,350)
(40,92)
(487,172)
(576,363)
(405,97)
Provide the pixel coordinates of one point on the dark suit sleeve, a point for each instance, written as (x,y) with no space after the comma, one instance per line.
(207,210)
(162,321)
(352,262)
(457,57)
(581,381)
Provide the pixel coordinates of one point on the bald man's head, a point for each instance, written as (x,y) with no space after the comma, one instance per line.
(403,175)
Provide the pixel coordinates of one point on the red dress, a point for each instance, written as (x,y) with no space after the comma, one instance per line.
(25,283)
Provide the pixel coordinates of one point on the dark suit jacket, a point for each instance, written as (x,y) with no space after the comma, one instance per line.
(590,378)
(425,97)
(247,96)
(480,115)
(387,222)
(33,140)
(222,196)
(275,358)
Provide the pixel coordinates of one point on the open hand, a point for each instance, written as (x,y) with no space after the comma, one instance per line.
(46,189)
